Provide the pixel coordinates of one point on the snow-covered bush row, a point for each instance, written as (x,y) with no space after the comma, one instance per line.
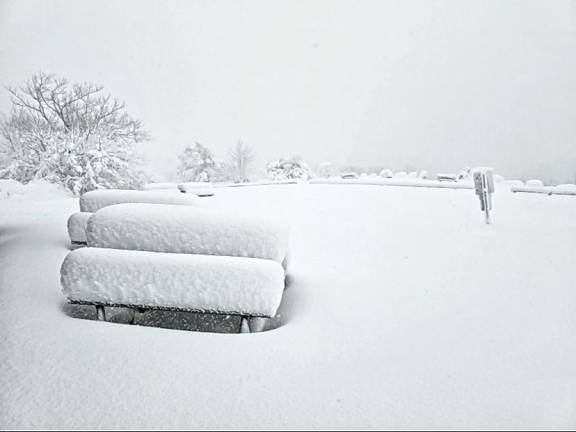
(160,186)
(77,224)
(217,284)
(183,229)
(95,200)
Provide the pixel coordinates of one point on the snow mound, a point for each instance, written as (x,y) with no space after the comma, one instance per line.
(10,187)
(77,223)
(536,183)
(36,189)
(182,229)
(97,199)
(246,286)
(160,186)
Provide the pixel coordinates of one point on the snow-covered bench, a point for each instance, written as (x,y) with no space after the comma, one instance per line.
(95,200)
(188,230)
(154,256)
(249,287)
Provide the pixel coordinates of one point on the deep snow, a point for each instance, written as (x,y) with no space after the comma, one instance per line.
(404,310)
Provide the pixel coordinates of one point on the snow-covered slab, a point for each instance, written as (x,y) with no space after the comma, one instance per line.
(201,189)
(77,223)
(400,181)
(548,190)
(183,229)
(215,284)
(161,186)
(97,199)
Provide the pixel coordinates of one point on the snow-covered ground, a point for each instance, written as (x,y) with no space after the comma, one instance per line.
(404,310)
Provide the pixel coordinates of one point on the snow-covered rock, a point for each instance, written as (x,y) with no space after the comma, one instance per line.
(97,199)
(537,183)
(183,229)
(77,223)
(247,286)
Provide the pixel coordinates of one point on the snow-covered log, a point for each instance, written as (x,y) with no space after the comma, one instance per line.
(97,199)
(212,284)
(183,229)
(77,227)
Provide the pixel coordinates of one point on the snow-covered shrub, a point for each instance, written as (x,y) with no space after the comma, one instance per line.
(401,174)
(70,134)
(413,174)
(386,173)
(423,174)
(498,178)
(514,182)
(536,183)
(288,169)
(197,164)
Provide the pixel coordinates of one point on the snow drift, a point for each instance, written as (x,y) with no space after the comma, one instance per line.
(246,286)
(95,200)
(182,229)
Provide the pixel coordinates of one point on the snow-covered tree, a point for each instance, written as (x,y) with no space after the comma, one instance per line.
(238,162)
(72,134)
(197,164)
(325,169)
(288,169)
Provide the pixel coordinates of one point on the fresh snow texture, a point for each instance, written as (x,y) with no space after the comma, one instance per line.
(183,229)
(245,286)
(95,200)
(77,226)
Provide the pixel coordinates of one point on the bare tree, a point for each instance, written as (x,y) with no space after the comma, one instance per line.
(238,162)
(71,133)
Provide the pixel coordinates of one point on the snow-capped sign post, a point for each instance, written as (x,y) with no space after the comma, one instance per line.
(484,187)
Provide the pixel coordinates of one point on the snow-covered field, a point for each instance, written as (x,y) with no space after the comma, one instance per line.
(404,310)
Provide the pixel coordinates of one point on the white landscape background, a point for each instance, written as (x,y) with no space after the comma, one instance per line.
(403,309)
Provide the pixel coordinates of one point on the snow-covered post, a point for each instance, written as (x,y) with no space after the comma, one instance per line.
(484,187)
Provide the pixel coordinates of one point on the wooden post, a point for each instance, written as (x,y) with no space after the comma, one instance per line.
(100,313)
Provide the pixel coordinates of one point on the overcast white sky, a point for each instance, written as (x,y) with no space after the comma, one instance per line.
(434,85)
